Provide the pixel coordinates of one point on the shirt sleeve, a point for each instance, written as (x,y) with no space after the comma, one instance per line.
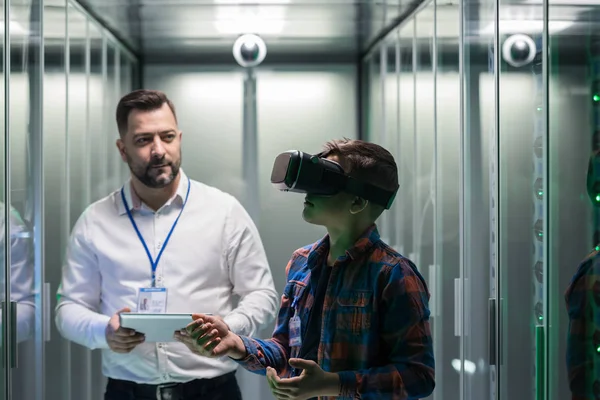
(582,346)
(273,352)
(406,334)
(77,311)
(249,273)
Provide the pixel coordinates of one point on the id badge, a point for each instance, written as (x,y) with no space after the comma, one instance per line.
(295,331)
(152,300)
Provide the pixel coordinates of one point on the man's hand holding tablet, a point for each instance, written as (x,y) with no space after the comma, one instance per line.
(119,339)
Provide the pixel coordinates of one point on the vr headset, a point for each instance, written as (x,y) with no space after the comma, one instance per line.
(295,171)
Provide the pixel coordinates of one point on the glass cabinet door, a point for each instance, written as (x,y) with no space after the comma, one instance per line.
(4,299)
(23,200)
(445,274)
(523,226)
(573,136)
(477,292)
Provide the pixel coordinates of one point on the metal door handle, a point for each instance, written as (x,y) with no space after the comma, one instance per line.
(5,315)
(492,331)
(47,313)
(13,335)
(458,311)
(433,306)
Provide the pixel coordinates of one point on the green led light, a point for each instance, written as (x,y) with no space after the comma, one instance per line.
(540,318)
(598,349)
(540,193)
(597,248)
(539,108)
(596,97)
(598,197)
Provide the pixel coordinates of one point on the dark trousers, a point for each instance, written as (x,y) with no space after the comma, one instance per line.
(223,387)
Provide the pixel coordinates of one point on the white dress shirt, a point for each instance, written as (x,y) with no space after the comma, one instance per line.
(214,252)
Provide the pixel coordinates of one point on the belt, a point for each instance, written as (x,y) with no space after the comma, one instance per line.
(171,391)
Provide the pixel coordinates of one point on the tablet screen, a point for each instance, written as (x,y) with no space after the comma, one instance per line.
(156,327)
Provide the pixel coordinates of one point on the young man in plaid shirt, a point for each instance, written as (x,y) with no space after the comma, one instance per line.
(354,317)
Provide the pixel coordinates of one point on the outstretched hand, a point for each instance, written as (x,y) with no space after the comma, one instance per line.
(311,383)
(209,336)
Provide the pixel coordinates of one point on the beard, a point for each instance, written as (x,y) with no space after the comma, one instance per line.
(153,177)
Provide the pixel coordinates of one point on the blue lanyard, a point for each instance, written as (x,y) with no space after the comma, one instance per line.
(154,263)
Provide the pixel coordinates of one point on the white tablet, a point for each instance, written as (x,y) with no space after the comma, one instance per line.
(156,327)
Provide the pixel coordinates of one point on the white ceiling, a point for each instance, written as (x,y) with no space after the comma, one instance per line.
(312,27)
(320,29)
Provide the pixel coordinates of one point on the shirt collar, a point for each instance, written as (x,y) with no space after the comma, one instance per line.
(362,245)
(135,203)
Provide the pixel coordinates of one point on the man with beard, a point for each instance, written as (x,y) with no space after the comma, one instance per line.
(161,232)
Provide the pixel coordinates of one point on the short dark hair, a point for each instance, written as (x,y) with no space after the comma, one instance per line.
(365,161)
(144,100)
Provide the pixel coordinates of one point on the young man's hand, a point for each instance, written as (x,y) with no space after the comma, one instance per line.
(209,336)
(312,382)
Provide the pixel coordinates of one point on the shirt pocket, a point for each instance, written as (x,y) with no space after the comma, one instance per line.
(354,311)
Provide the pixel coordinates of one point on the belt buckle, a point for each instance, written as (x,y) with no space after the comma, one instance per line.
(166,391)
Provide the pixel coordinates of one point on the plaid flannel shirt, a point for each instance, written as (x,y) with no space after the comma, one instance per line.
(375,322)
